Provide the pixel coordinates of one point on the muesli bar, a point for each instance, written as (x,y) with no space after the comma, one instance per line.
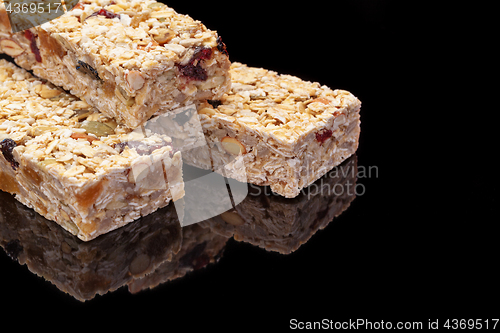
(289,132)
(75,166)
(85,269)
(130,59)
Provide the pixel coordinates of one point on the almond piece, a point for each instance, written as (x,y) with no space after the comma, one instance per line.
(140,264)
(47,92)
(233,218)
(233,146)
(115,8)
(139,171)
(321,100)
(135,80)
(11,48)
(164,36)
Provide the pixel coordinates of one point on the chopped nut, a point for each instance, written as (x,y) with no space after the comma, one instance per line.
(81,105)
(87,151)
(123,97)
(46,92)
(233,218)
(115,8)
(135,80)
(233,146)
(163,36)
(155,5)
(140,264)
(139,172)
(321,100)
(11,48)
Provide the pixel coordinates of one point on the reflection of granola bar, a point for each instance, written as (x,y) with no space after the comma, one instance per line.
(289,132)
(130,59)
(283,225)
(76,167)
(200,247)
(84,269)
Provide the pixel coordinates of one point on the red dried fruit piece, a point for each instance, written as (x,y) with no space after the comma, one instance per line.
(221,46)
(106,13)
(193,72)
(193,69)
(34,48)
(6,147)
(201,53)
(323,135)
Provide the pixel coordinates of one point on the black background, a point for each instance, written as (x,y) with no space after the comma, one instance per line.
(421,243)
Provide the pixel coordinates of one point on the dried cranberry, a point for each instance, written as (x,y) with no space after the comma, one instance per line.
(34,48)
(201,53)
(324,135)
(7,146)
(106,13)
(193,69)
(221,46)
(193,72)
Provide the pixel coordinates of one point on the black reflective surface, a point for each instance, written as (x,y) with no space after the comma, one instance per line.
(421,242)
(156,249)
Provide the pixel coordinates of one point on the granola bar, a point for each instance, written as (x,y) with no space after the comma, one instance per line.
(289,132)
(85,269)
(130,59)
(75,166)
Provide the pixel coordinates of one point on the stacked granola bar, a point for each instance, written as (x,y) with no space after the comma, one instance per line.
(130,59)
(289,132)
(93,165)
(64,159)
